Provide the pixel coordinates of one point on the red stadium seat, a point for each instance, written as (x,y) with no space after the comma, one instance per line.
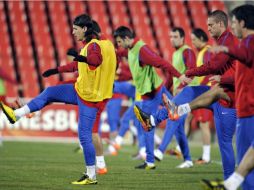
(217,5)
(6,61)
(61,29)
(98,13)
(76,8)
(162,27)
(119,16)
(42,39)
(141,23)
(180,18)
(23,48)
(199,14)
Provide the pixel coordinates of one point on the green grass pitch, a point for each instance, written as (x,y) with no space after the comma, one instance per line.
(52,166)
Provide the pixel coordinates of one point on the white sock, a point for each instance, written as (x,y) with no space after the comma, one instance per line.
(178,148)
(100,162)
(157,139)
(90,171)
(111,149)
(234,181)
(20,112)
(206,153)
(184,109)
(142,152)
(150,163)
(158,154)
(152,120)
(119,140)
(134,130)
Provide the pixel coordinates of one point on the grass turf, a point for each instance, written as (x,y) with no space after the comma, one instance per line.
(52,166)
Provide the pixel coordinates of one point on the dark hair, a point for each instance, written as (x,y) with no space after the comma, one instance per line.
(123,31)
(85,20)
(200,34)
(219,15)
(96,27)
(180,30)
(245,13)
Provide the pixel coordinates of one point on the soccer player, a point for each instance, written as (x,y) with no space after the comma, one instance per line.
(94,86)
(243,27)
(73,67)
(183,59)
(199,39)
(123,87)
(223,65)
(142,61)
(224,112)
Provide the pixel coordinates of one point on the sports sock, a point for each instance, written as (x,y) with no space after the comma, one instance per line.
(178,148)
(150,164)
(234,181)
(100,162)
(206,153)
(152,121)
(184,109)
(90,171)
(142,152)
(111,148)
(157,139)
(119,140)
(20,112)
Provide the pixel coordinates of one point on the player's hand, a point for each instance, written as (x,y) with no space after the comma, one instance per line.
(218,49)
(215,79)
(184,79)
(50,72)
(72,52)
(80,58)
(77,57)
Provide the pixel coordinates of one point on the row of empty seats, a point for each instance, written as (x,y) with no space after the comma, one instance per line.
(52,41)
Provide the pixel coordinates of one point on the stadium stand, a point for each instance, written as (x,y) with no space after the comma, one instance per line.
(50,23)
(120,17)
(42,39)
(162,27)
(179,14)
(141,23)
(98,13)
(6,62)
(23,46)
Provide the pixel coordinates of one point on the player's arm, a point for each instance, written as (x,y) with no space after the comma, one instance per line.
(217,63)
(240,52)
(189,59)
(243,53)
(70,67)
(223,80)
(149,57)
(93,58)
(228,80)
